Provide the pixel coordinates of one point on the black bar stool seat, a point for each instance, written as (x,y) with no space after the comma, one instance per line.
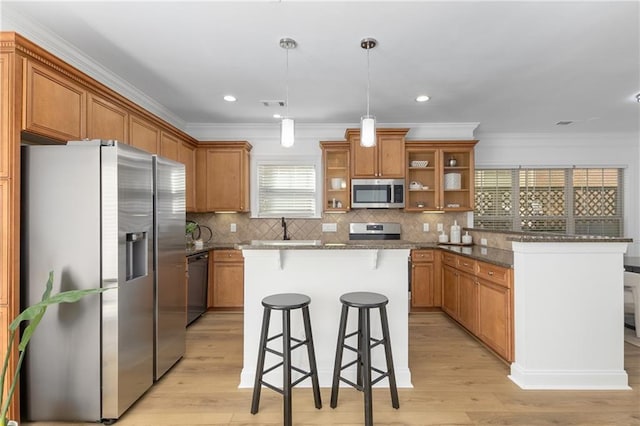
(285,302)
(364,302)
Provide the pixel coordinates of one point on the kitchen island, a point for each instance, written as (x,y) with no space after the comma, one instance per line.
(568,306)
(324,273)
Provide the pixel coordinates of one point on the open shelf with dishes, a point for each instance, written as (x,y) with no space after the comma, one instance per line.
(336,163)
(440,175)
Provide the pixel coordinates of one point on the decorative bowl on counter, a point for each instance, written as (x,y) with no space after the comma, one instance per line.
(419,163)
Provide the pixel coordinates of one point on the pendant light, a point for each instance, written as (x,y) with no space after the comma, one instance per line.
(287,124)
(368,122)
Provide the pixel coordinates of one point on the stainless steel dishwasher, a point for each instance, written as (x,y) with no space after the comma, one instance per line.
(197,287)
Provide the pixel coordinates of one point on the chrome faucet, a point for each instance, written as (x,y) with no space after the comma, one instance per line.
(284,225)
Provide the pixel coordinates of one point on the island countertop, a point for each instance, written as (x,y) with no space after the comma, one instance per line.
(487,254)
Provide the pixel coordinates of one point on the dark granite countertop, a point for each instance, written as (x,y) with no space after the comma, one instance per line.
(321,245)
(549,238)
(486,254)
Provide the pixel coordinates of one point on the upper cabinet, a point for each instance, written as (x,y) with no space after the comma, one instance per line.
(6,116)
(169,146)
(106,120)
(222,176)
(55,106)
(143,134)
(187,156)
(440,175)
(385,160)
(337,185)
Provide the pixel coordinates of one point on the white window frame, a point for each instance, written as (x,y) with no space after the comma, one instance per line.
(293,160)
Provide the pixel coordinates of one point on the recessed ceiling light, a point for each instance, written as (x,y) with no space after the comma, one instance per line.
(230,98)
(277,115)
(422,98)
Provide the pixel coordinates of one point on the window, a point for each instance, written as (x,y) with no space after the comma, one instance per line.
(585,201)
(286,190)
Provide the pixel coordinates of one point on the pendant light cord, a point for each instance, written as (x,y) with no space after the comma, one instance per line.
(287,83)
(368,81)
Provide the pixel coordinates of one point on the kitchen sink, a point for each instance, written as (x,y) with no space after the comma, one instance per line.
(286,242)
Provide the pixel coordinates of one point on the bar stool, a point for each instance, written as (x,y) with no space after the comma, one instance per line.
(285,302)
(364,301)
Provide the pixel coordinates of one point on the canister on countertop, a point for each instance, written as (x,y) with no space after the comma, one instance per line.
(455,232)
(466,238)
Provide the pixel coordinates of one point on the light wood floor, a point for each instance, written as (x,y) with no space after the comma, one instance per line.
(456,382)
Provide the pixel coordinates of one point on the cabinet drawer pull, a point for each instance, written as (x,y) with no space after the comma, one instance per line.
(490,273)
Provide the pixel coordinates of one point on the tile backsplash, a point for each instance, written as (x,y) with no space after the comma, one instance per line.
(311,229)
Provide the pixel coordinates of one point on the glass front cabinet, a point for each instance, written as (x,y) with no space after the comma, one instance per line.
(440,175)
(337,184)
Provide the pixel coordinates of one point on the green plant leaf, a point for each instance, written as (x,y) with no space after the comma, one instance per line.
(34,314)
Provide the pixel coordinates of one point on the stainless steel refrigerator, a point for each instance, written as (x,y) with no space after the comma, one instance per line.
(169,264)
(88,215)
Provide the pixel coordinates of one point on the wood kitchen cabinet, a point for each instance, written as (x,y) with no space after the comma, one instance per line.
(450,289)
(478,295)
(187,156)
(495,313)
(222,182)
(438,188)
(143,134)
(226,280)
(170,146)
(106,120)
(335,161)
(385,160)
(468,301)
(425,288)
(54,106)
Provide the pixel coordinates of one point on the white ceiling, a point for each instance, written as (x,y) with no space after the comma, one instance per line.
(511,66)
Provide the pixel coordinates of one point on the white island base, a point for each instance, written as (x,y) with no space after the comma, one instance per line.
(568,307)
(324,275)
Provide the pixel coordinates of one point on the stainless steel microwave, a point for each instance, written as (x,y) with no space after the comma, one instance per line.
(377,193)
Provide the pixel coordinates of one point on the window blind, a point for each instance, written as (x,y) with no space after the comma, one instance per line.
(584,201)
(286,190)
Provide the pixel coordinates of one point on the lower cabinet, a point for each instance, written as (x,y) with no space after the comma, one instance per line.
(481,300)
(425,293)
(495,317)
(468,301)
(450,291)
(226,280)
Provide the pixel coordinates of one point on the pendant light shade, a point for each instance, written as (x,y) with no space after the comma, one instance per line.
(287,124)
(368,122)
(368,131)
(287,132)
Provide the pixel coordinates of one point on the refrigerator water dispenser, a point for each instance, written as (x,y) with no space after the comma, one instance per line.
(137,255)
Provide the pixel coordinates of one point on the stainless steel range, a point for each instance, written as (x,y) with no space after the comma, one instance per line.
(374,231)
